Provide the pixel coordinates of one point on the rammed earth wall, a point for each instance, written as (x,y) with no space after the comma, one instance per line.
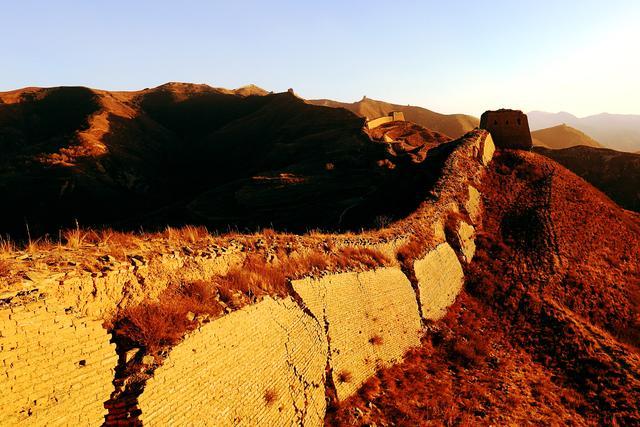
(269,363)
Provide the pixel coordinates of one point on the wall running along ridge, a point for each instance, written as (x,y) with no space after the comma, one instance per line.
(392,117)
(263,364)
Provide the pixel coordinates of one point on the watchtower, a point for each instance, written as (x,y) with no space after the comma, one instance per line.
(508,128)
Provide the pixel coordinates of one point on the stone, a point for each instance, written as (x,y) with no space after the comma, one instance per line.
(129,355)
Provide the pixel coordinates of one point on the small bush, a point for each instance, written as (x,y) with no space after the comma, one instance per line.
(345,377)
(270,396)
(158,324)
(5,268)
(376,340)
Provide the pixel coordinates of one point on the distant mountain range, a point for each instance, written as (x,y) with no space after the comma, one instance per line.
(617,131)
(562,136)
(452,125)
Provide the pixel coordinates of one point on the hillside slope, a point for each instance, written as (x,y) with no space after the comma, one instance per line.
(546,332)
(617,131)
(192,154)
(562,136)
(615,173)
(452,125)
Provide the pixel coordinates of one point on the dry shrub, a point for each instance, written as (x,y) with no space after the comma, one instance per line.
(5,267)
(270,396)
(376,340)
(345,376)
(421,240)
(162,323)
(469,352)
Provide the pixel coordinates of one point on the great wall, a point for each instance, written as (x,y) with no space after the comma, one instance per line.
(271,362)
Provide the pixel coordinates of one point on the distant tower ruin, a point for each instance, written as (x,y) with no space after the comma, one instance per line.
(508,128)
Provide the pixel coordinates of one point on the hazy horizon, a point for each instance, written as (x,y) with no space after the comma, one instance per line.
(462,58)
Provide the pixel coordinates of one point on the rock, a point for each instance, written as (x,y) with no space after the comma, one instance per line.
(107,258)
(131,354)
(191,316)
(148,360)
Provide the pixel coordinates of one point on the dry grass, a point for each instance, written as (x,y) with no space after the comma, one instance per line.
(75,238)
(155,325)
(5,267)
(421,240)
(6,245)
(187,234)
(257,277)
(39,245)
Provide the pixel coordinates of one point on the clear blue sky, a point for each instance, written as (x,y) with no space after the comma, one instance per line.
(450,56)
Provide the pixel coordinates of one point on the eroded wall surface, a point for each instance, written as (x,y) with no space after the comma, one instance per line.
(371,319)
(440,279)
(261,365)
(56,369)
(264,364)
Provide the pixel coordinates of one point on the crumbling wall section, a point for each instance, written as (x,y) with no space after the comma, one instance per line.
(56,368)
(371,319)
(261,365)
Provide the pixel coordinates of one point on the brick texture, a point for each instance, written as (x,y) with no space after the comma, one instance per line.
(56,369)
(440,279)
(372,320)
(261,365)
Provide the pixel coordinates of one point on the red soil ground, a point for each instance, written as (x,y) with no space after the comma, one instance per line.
(547,330)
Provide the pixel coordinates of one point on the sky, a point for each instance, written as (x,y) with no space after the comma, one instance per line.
(449,56)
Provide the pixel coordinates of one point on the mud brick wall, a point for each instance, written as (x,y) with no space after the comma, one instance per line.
(56,369)
(261,365)
(371,319)
(440,279)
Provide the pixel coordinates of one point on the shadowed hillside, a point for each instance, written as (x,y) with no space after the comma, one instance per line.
(615,173)
(562,136)
(184,153)
(547,329)
(452,125)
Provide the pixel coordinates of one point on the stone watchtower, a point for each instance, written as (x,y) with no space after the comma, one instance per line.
(508,128)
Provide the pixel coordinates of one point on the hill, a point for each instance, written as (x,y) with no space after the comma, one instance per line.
(452,125)
(561,136)
(615,173)
(183,153)
(546,331)
(616,131)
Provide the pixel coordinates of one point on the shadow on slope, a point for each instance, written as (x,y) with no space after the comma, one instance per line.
(546,331)
(191,154)
(615,173)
